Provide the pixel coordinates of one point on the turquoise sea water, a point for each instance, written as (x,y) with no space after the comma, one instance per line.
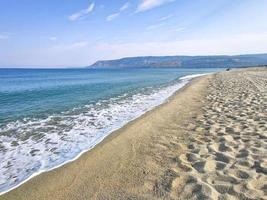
(50,116)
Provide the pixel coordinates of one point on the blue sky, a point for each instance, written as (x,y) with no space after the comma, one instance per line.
(73,33)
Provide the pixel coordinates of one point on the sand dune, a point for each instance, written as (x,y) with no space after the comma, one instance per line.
(208,142)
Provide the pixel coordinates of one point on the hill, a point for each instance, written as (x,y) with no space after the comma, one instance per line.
(184,61)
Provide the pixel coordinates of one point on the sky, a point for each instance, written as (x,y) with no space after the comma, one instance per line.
(77,33)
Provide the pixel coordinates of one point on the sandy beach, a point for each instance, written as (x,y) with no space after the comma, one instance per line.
(209,141)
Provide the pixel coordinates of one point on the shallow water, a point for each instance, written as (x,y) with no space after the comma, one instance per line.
(50,116)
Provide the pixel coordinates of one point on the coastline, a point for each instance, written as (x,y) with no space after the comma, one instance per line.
(188,80)
(208,141)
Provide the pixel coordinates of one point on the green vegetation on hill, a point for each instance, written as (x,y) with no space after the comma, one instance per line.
(184,61)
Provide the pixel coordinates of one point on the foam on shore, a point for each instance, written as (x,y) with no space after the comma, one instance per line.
(64,138)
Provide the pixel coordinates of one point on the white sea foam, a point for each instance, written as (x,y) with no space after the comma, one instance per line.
(45,144)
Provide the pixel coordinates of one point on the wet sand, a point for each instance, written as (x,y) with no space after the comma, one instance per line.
(209,141)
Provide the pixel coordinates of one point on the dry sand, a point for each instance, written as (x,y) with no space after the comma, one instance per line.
(208,142)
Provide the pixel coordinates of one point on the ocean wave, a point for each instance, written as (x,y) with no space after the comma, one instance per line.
(31,146)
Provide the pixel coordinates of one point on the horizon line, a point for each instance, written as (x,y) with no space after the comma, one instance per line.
(85,66)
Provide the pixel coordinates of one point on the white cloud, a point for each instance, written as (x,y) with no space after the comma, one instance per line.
(82,13)
(117,14)
(112,16)
(3,36)
(78,53)
(154,26)
(161,23)
(77,45)
(166,17)
(237,44)
(149,4)
(124,6)
(53,38)
(178,29)
(82,54)
(70,47)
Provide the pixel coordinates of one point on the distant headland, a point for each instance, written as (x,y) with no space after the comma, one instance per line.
(219,61)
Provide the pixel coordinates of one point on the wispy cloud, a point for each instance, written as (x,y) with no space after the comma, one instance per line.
(161,22)
(150,4)
(125,6)
(166,17)
(178,29)
(70,47)
(236,44)
(81,53)
(117,14)
(154,26)
(53,38)
(77,45)
(82,13)
(4,36)
(112,16)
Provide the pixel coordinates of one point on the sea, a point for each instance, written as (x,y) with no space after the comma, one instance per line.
(49,117)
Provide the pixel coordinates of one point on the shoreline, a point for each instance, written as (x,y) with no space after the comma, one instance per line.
(208,141)
(190,78)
